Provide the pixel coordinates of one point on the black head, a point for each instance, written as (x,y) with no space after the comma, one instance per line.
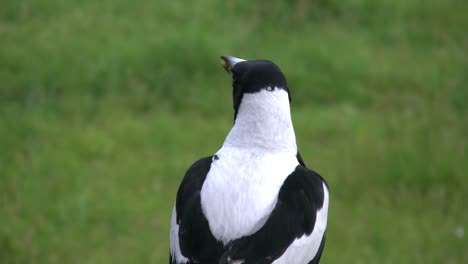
(252,76)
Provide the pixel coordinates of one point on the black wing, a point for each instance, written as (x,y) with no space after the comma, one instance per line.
(195,238)
(294,215)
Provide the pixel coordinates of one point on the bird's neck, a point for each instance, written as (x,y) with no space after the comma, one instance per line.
(263,122)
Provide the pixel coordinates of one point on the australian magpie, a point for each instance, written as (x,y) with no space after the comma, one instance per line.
(254,200)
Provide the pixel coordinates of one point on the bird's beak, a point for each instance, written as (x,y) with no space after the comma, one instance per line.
(228,62)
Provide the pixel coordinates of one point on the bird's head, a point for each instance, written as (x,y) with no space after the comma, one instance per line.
(260,79)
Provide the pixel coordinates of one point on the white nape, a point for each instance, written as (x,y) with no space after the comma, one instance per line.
(263,121)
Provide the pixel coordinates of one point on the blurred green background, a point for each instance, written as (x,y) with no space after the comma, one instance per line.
(105,104)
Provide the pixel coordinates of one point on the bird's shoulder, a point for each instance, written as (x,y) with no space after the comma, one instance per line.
(192,182)
(303,178)
(198,170)
(195,239)
(303,185)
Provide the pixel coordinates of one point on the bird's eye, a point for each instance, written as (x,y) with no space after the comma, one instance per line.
(270,88)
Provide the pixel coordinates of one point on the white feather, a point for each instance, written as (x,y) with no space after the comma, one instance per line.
(241,190)
(242,187)
(175,247)
(263,122)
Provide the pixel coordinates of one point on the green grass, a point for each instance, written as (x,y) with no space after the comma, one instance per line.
(104,105)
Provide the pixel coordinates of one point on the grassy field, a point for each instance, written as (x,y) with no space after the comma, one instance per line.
(104,105)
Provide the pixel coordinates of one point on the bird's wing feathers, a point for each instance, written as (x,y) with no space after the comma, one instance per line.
(195,239)
(191,184)
(294,215)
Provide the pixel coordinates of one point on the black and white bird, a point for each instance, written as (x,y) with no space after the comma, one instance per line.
(254,200)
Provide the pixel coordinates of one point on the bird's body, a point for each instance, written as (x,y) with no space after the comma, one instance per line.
(254,201)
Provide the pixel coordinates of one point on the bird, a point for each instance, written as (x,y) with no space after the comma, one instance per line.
(253,200)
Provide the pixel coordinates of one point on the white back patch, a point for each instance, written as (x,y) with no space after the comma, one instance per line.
(241,189)
(264,121)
